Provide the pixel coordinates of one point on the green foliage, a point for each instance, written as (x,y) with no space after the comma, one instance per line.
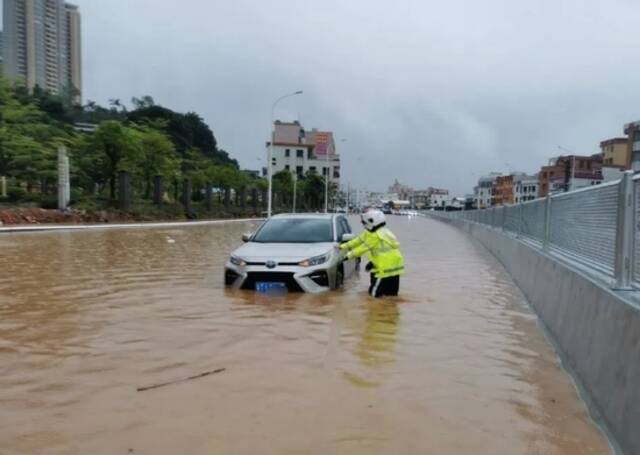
(148,141)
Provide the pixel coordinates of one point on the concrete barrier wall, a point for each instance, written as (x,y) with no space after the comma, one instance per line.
(596,329)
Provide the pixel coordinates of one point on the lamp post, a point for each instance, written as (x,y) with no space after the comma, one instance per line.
(295,189)
(270,157)
(326,180)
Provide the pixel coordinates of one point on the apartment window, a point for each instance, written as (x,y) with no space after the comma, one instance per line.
(300,153)
(313,169)
(325,171)
(299,171)
(273,161)
(287,167)
(309,154)
(287,153)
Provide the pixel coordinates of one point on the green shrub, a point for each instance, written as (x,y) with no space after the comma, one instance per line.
(49,202)
(16,194)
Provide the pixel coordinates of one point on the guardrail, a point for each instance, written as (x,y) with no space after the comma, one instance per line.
(594,226)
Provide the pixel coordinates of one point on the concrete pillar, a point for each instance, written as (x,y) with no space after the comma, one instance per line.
(186,195)
(209,197)
(254,200)
(243,198)
(158,190)
(63,179)
(3,187)
(124,190)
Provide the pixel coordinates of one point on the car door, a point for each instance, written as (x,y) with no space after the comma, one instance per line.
(343,227)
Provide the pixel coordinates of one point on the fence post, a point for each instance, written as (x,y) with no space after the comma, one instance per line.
(520,218)
(546,234)
(623,270)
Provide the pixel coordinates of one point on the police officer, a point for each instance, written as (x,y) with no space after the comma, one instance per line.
(386,263)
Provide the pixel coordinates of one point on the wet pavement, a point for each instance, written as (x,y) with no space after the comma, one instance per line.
(455,365)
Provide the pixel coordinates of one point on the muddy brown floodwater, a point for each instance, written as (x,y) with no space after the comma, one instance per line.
(456,365)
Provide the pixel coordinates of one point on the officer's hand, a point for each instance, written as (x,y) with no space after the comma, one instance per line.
(369,267)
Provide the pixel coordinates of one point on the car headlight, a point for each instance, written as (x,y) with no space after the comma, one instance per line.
(235,260)
(317,260)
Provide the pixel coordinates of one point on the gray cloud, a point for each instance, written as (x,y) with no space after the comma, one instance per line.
(433,93)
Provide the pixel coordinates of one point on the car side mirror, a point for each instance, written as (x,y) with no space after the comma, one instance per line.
(347,237)
(246,237)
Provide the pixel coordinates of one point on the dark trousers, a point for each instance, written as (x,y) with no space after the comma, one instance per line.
(380,287)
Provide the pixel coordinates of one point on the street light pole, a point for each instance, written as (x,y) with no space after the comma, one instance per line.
(295,188)
(270,157)
(326,180)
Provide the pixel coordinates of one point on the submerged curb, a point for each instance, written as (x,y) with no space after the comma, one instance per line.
(84,227)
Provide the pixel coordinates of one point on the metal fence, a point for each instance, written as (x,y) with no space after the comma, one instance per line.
(598,227)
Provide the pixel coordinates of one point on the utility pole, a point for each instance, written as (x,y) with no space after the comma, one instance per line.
(270,154)
(295,188)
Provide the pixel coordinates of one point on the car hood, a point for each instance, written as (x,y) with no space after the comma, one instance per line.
(281,252)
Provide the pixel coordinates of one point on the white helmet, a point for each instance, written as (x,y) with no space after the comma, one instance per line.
(372,219)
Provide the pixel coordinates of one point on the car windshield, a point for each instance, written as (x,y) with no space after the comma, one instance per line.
(295,230)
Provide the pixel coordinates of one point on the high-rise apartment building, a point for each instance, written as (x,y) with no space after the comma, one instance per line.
(42,45)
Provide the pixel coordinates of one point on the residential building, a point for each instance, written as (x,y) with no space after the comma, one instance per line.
(299,151)
(485,190)
(616,152)
(503,193)
(525,188)
(438,198)
(42,45)
(568,173)
(632,130)
(401,191)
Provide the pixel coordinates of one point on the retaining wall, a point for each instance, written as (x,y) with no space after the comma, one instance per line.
(596,329)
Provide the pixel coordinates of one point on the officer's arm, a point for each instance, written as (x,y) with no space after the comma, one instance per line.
(364,248)
(351,244)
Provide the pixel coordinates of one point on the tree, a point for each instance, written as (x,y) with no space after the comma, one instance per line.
(157,155)
(29,136)
(312,187)
(114,148)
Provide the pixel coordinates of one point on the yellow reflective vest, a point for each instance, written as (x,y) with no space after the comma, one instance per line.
(383,249)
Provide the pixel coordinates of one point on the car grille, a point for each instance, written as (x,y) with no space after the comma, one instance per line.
(278,263)
(271,277)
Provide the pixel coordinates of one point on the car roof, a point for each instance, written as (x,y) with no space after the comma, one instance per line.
(320,216)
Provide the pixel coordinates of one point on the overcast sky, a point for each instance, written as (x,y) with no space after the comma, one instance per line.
(434,93)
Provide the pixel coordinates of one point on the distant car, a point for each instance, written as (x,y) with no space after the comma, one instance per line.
(293,251)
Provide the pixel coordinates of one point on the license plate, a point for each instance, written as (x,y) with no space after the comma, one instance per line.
(270,286)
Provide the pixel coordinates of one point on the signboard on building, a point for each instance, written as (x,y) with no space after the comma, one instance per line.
(322,143)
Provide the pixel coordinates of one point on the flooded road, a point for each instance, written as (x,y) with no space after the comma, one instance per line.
(455,365)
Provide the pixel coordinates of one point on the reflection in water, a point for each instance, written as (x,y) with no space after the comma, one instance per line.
(455,365)
(380,333)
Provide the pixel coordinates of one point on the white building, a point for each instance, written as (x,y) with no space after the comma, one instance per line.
(299,151)
(525,188)
(438,198)
(486,190)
